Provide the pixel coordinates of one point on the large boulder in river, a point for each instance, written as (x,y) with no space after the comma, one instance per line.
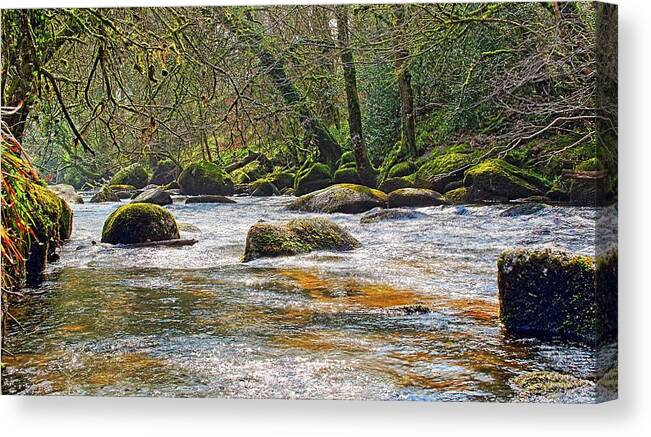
(155,196)
(415,197)
(312,177)
(296,236)
(165,172)
(66,192)
(105,194)
(549,293)
(497,180)
(440,170)
(345,198)
(204,177)
(139,223)
(135,175)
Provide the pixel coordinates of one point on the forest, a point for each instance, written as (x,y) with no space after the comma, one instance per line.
(327,109)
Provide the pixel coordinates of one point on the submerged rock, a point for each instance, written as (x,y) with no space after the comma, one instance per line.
(105,194)
(66,192)
(135,175)
(295,237)
(549,386)
(344,198)
(380,215)
(208,199)
(204,177)
(155,196)
(415,197)
(523,209)
(139,223)
(553,294)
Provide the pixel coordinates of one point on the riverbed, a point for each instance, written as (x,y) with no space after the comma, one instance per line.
(196,321)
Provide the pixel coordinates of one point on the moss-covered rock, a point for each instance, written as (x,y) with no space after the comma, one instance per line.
(381,215)
(135,175)
(123,187)
(402,169)
(139,223)
(252,171)
(344,198)
(438,171)
(66,192)
(105,194)
(312,177)
(155,196)
(415,197)
(392,184)
(204,177)
(263,188)
(295,237)
(497,180)
(165,172)
(458,196)
(282,179)
(592,164)
(552,294)
(347,175)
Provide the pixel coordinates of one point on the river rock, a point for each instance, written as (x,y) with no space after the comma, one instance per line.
(312,177)
(66,192)
(550,293)
(208,199)
(155,196)
(204,177)
(263,188)
(415,197)
(497,180)
(105,194)
(545,386)
(396,183)
(344,198)
(380,215)
(135,175)
(139,223)
(295,237)
(523,209)
(165,172)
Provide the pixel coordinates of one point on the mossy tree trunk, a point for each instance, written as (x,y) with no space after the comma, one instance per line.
(365,169)
(404,81)
(245,27)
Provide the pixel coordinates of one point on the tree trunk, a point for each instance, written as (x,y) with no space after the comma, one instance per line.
(329,150)
(404,83)
(364,167)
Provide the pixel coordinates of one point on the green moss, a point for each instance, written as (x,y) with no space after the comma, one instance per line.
(347,159)
(344,198)
(392,184)
(281,178)
(294,237)
(135,175)
(312,178)
(139,223)
(204,177)
(122,187)
(496,178)
(458,196)
(592,164)
(431,170)
(402,169)
(105,194)
(347,175)
(252,171)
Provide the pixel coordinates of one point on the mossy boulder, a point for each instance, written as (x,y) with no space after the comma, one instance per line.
(312,177)
(402,169)
(392,184)
(165,172)
(497,180)
(381,215)
(52,224)
(440,170)
(415,197)
(263,188)
(155,196)
(282,179)
(295,237)
(343,198)
(204,177)
(66,192)
(139,223)
(250,172)
(135,175)
(458,196)
(122,187)
(549,293)
(105,194)
(347,175)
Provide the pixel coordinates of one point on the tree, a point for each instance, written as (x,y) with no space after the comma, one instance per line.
(403,74)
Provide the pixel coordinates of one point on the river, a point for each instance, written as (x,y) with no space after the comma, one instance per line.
(195,321)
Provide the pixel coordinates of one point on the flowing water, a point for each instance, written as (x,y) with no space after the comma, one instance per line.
(195,321)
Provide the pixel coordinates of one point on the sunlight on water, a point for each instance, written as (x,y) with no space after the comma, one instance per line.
(412,314)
